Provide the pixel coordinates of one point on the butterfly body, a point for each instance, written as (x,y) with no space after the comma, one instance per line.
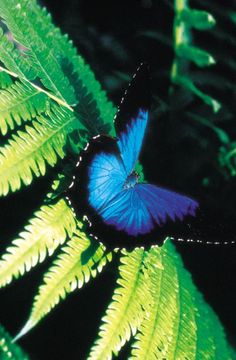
(121,210)
(131,180)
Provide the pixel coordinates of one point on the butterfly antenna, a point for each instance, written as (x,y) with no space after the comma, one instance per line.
(198,241)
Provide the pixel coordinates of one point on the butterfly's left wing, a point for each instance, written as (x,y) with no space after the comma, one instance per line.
(106,178)
(137,210)
(99,175)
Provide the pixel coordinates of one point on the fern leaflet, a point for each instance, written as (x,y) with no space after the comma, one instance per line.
(20,102)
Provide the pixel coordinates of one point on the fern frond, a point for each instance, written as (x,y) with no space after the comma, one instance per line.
(180,325)
(71,270)
(144,346)
(20,102)
(39,55)
(185,324)
(27,153)
(8,350)
(97,112)
(156,334)
(48,229)
(130,301)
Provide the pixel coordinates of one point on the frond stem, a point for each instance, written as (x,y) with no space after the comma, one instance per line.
(181,34)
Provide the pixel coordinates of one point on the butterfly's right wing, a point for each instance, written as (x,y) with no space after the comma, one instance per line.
(132,117)
(130,141)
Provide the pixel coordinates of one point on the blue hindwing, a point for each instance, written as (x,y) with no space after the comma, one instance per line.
(138,209)
(166,205)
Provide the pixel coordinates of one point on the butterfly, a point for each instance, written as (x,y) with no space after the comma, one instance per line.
(107,191)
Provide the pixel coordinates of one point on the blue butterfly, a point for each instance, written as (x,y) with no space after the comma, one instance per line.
(108,190)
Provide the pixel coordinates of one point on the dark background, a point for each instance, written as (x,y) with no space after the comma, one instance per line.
(178,153)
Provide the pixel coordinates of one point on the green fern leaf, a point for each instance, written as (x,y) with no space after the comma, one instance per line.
(48,229)
(160,331)
(197,19)
(198,56)
(8,350)
(27,153)
(38,54)
(96,110)
(130,301)
(71,270)
(20,102)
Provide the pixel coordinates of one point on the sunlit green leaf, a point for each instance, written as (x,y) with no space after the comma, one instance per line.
(197,19)
(198,56)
